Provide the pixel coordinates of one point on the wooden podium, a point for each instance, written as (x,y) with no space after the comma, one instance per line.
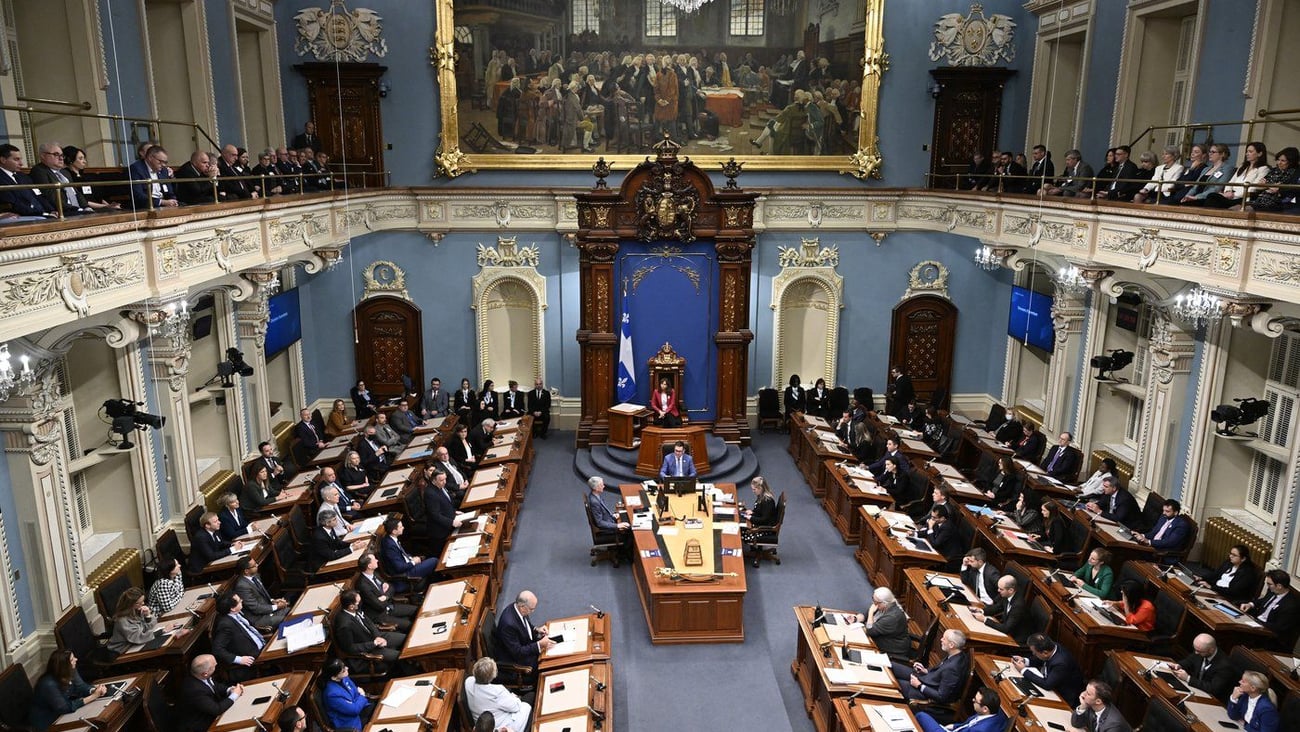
(651,456)
(623,420)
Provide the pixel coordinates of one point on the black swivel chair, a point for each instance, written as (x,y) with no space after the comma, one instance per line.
(1161,716)
(864,397)
(765,546)
(769,409)
(16,690)
(158,708)
(838,403)
(74,633)
(604,546)
(513,676)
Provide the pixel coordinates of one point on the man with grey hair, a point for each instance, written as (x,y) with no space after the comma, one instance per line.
(518,641)
(1077,175)
(50,170)
(201,699)
(608,526)
(195,186)
(481,695)
(228,169)
(944,682)
(886,625)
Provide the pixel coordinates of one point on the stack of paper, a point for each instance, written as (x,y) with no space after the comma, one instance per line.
(304,635)
(462,550)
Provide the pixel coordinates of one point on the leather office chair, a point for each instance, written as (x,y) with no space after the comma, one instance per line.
(603,546)
(1161,716)
(939,399)
(1110,670)
(315,703)
(1040,616)
(944,712)
(769,409)
(513,676)
(192,517)
(467,719)
(112,589)
(158,708)
(290,571)
(1290,712)
(1171,611)
(1072,555)
(16,690)
(298,529)
(765,546)
(364,668)
(837,403)
(73,632)
(921,644)
(864,397)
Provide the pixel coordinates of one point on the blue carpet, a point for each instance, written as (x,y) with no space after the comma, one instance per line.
(687,687)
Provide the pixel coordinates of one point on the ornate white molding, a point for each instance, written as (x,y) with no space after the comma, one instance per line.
(974,40)
(808,279)
(927,278)
(508,277)
(383,277)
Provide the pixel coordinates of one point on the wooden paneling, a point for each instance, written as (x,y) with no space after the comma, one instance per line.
(390,343)
(922,340)
(967,114)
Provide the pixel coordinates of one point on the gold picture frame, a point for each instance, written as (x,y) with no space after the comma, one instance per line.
(453,159)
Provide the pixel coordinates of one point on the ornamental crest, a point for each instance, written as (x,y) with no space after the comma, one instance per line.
(338,34)
(974,40)
(384,278)
(667,202)
(809,254)
(507,254)
(927,278)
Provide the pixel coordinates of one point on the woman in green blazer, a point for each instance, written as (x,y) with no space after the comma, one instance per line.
(1096,576)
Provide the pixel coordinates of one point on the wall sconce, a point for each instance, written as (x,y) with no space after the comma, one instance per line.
(10,379)
(384,88)
(935,89)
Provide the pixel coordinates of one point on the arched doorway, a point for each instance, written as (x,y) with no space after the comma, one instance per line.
(921,340)
(390,343)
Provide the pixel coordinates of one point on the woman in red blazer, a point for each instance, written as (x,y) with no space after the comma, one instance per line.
(664,403)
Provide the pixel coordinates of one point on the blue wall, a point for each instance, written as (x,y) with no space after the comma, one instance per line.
(16,554)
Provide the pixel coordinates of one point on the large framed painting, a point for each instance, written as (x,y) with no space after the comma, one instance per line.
(552,84)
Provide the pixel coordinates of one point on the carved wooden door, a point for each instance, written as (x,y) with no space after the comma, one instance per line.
(921,340)
(967,114)
(390,344)
(344,103)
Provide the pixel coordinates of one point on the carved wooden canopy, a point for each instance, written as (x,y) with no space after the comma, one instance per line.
(665,198)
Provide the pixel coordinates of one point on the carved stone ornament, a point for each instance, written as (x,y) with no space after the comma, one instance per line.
(507,254)
(927,278)
(809,254)
(72,281)
(974,40)
(337,34)
(666,256)
(384,278)
(666,203)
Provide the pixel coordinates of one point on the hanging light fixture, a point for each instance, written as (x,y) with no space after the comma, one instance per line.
(175,325)
(685,6)
(10,379)
(1070,281)
(987,259)
(1197,306)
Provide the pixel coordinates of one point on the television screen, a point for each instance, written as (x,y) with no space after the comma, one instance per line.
(1031,318)
(285,325)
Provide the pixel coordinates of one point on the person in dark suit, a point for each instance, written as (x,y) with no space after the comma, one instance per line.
(1207,668)
(464,402)
(1050,666)
(539,405)
(489,406)
(1031,443)
(363,400)
(1062,461)
(377,596)
(200,699)
(795,397)
(1236,578)
(944,682)
(440,513)
(977,172)
(677,464)
(1008,175)
(60,690)
(22,201)
(480,437)
(1252,704)
(1171,531)
(374,456)
(397,562)
(608,527)
(404,421)
(355,634)
(156,192)
(518,641)
(195,181)
(1008,431)
(266,456)
(1123,181)
(1009,613)
(1004,489)
(259,490)
(435,402)
(886,625)
(261,609)
(891,451)
(235,642)
(461,451)
(987,715)
(900,390)
(514,403)
(207,545)
(1053,536)
(1041,171)
(1278,608)
(457,482)
(53,169)
(1115,503)
(980,576)
(1075,177)
(817,400)
(230,186)
(352,476)
(311,438)
(326,546)
(234,520)
(307,138)
(941,534)
(1095,712)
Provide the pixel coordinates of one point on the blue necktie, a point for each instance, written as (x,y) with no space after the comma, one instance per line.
(253,634)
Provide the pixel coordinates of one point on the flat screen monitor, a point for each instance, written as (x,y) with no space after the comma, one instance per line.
(284,328)
(679,486)
(1031,318)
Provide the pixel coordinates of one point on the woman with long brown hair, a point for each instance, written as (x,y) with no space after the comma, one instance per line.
(60,690)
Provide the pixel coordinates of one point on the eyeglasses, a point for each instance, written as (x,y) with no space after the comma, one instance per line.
(53,154)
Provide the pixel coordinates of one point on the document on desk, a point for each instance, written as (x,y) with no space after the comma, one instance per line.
(942,582)
(852,633)
(367,526)
(304,635)
(577,686)
(462,550)
(816,421)
(632,501)
(398,696)
(444,595)
(668,531)
(889,718)
(857,471)
(574,633)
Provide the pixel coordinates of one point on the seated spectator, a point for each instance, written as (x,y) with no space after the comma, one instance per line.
(154,190)
(1278,608)
(1274,198)
(196,181)
(235,642)
(885,623)
(52,170)
(508,711)
(1133,604)
(1214,176)
(1235,579)
(15,187)
(1253,704)
(166,591)
(988,716)
(266,168)
(1050,666)
(1163,179)
(259,490)
(75,159)
(59,691)
(1242,186)
(355,634)
(1096,576)
(944,682)
(395,559)
(338,423)
(1077,177)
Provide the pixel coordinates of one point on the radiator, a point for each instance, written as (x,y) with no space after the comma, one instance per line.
(1122,466)
(1222,533)
(128,559)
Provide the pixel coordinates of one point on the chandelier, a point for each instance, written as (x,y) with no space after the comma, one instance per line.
(175,325)
(1197,306)
(1070,281)
(986,259)
(9,379)
(685,6)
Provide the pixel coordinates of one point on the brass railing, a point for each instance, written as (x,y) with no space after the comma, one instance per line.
(939,181)
(1189,128)
(155,123)
(38,100)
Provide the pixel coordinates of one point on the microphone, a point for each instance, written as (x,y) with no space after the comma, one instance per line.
(438,691)
(1149,671)
(856,694)
(595,713)
(471,589)
(425,720)
(1002,670)
(261,725)
(600,685)
(280,694)
(191,612)
(93,724)
(463,608)
(599,613)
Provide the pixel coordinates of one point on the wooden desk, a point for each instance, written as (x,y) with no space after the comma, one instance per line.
(624,423)
(848,487)
(175,650)
(1004,538)
(699,610)
(460,605)
(419,450)
(224,567)
(346,565)
(489,558)
(198,600)
(975,444)
(1210,717)
(943,474)
(1280,669)
(859,715)
(332,453)
(586,639)
(298,494)
(492,489)
(391,495)
(263,700)
(812,441)
(108,713)
(925,603)
(514,447)
(883,555)
(1106,533)
(650,457)
(1079,627)
(999,674)
(572,707)
(424,701)
(823,679)
(318,602)
(1203,616)
(1139,683)
(1044,717)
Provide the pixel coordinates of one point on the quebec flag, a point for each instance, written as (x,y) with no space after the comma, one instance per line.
(626,371)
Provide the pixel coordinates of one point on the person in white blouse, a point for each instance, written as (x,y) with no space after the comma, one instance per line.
(481,695)
(1092,485)
(1163,179)
(1244,182)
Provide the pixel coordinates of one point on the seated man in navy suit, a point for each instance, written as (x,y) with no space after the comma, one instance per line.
(944,682)
(207,545)
(678,464)
(397,562)
(1171,529)
(158,193)
(1115,503)
(1050,666)
(988,716)
(1062,461)
(608,527)
(518,642)
(891,450)
(22,201)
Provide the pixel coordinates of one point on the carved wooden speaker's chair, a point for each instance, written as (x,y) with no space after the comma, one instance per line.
(666,364)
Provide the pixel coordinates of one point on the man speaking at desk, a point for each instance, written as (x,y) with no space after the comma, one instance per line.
(678,464)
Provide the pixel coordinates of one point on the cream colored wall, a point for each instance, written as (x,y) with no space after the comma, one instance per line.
(1230,460)
(1282,91)
(1031,376)
(279,382)
(93,377)
(1056,97)
(1151,102)
(211,430)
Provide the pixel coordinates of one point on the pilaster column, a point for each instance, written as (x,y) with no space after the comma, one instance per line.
(252,315)
(1069,311)
(166,366)
(1208,384)
(1171,350)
